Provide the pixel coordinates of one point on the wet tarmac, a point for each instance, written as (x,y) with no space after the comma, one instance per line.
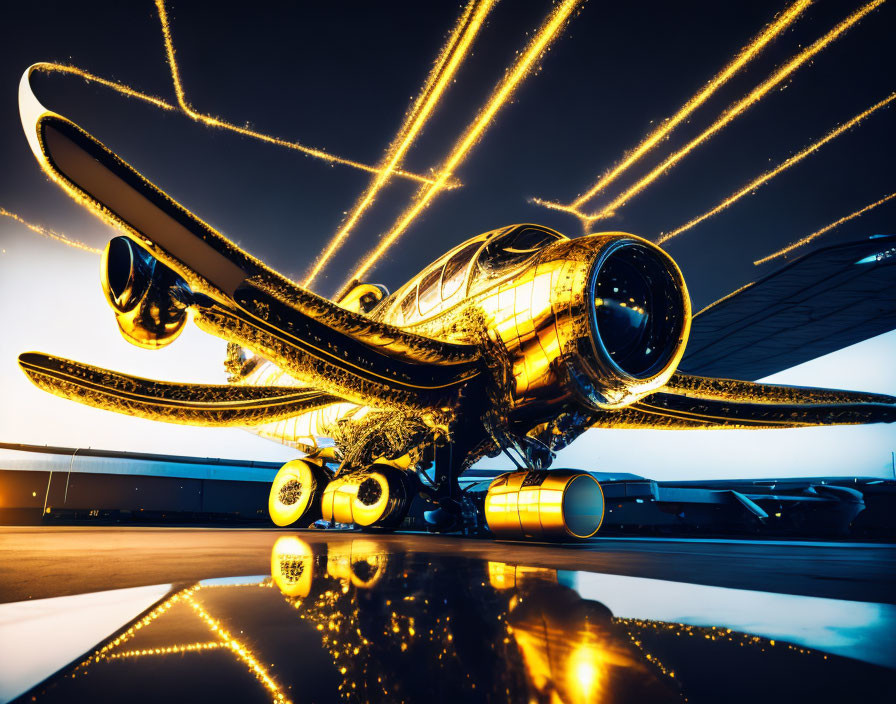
(95,614)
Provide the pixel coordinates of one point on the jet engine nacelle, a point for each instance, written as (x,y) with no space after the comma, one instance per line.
(150,300)
(621,313)
(542,504)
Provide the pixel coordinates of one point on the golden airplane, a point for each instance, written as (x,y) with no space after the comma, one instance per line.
(515,341)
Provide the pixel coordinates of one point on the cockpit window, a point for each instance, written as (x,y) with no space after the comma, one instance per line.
(511,248)
(456,269)
(428,295)
(408,304)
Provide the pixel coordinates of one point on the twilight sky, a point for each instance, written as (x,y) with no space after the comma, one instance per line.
(340,76)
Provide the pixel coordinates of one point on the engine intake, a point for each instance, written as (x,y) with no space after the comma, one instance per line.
(637,317)
(639,310)
(543,504)
(150,300)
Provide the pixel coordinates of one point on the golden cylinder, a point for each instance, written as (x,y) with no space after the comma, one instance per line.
(544,504)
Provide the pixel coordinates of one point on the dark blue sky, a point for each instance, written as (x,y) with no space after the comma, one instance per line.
(340,76)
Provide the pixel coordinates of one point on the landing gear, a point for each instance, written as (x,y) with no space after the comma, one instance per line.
(296,493)
(378,496)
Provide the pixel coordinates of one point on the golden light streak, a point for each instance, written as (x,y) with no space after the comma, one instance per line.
(50,67)
(167,650)
(127,91)
(240,650)
(746,54)
(449,60)
(724,298)
(246,132)
(520,69)
(225,640)
(45,232)
(808,238)
(105,652)
(737,109)
(768,175)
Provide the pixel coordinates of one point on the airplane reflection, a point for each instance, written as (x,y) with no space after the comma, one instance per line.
(349,619)
(532,639)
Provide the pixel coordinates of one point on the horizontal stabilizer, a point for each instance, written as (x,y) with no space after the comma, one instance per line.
(219,405)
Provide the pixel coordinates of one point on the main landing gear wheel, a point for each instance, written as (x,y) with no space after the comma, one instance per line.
(292,564)
(296,493)
(379,496)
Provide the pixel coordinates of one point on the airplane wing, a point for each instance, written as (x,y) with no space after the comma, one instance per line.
(701,402)
(219,405)
(334,349)
(822,302)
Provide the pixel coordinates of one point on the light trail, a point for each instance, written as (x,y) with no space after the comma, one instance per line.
(45,232)
(502,93)
(808,238)
(443,72)
(770,174)
(242,652)
(50,67)
(724,298)
(737,109)
(155,101)
(211,121)
(750,51)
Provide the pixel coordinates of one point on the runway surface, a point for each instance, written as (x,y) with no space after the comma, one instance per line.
(42,562)
(188,614)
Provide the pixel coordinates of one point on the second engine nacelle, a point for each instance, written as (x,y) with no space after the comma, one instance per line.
(546,505)
(150,300)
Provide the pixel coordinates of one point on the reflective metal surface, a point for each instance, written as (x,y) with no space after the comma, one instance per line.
(515,341)
(357,620)
(545,505)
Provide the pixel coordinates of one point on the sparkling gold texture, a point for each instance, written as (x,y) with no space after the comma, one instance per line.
(442,74)
(747,54)
(738,108)
(827,228)
(220,405)
(508,342)
(208,120)
(762,179)
(46,232)
(503,92)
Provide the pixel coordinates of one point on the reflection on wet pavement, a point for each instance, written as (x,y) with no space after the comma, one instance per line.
(354,622)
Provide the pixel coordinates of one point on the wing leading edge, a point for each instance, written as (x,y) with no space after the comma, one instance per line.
(700,402)
(328,347)
(219,405)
